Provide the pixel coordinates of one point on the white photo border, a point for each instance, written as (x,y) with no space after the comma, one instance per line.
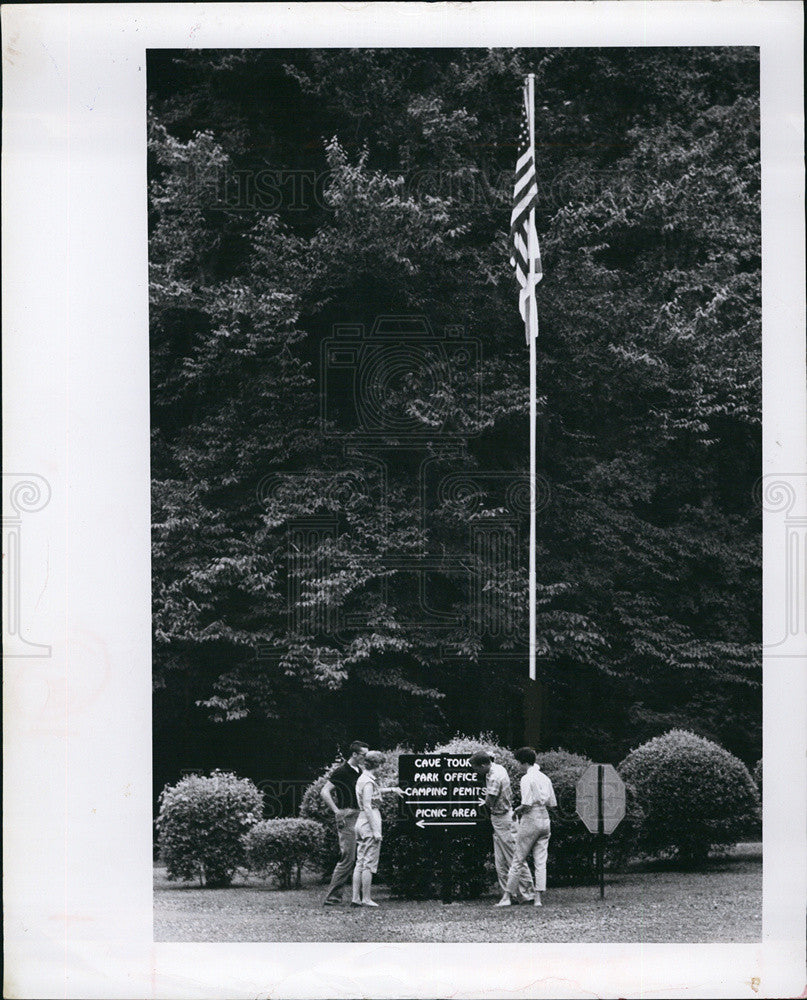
(77,766)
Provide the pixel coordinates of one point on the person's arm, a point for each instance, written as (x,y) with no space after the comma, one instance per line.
(492,789)
(327,795)
(526,798)
(394,788)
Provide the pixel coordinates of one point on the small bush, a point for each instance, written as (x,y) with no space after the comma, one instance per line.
(281,847)
(572,848)
(201,823)
(695,796)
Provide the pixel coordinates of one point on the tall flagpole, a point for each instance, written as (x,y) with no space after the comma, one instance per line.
(532,335)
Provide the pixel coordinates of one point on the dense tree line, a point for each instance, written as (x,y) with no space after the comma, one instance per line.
(292,191)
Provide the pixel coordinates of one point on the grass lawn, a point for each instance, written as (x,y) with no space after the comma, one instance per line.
(723,903)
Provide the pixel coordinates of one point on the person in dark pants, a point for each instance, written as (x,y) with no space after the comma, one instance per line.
(339,794)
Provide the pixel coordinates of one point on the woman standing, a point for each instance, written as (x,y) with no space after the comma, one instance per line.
(368,829)
(537,797)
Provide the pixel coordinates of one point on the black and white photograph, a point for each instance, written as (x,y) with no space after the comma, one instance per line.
(404,500)
(455,433)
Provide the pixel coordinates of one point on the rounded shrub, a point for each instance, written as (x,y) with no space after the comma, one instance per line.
(281,847)
(201,823)
(694,793)
(414,861)
(572,848)
(758,775)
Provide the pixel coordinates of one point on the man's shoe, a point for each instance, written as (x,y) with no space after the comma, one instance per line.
(503,902)
(369,902)
(331,901)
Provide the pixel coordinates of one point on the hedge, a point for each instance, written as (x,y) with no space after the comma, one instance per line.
(201,823)
(281,847)
(695,795)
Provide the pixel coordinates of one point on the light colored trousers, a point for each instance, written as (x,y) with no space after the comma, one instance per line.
(343,872)
(504,843)
(532,837)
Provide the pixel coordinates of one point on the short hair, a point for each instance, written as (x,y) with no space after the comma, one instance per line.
(373,759)
(526,755)
(358,745)
(480,757)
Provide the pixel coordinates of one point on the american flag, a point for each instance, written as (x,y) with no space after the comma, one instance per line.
(522,224)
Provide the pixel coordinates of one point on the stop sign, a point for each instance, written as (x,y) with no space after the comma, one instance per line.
(594,778)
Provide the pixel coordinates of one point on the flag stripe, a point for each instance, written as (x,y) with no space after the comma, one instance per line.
(522,220)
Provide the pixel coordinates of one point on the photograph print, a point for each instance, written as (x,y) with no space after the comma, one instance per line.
(456,440)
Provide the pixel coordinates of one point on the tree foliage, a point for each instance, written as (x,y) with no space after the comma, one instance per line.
(294,190)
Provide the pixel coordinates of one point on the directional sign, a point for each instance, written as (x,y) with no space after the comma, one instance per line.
(440,789)
(601,780)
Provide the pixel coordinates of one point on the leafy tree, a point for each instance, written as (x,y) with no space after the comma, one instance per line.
(294,190)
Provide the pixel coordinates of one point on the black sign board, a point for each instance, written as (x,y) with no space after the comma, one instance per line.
(440,789)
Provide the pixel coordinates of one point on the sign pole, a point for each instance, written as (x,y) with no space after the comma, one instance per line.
(445,893)
(600,831)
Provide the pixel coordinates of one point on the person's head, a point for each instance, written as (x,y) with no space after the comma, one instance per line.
(481,761)
(373,759)
(358,749)
(525,758)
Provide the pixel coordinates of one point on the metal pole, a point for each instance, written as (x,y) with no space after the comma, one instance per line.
(532,333)
(446,881)
(600,830)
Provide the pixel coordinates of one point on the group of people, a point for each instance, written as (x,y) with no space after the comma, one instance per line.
(521,832)
(353,794)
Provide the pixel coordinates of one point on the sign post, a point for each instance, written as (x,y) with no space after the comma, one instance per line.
(600,833)
(600,803)
(441,791)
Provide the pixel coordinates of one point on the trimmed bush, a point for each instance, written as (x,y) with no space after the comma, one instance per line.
(411,858)
(201,824)
(572,857)
(695,795)
(281,847)
(758,775)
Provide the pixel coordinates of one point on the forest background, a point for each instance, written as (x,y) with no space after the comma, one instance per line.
(336,558)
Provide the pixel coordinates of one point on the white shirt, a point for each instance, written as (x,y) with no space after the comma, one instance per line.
(536,789)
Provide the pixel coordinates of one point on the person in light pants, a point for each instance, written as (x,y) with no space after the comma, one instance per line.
(532,836)
(499,805)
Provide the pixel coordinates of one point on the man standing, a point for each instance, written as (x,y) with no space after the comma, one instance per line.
(537,797)
(498,799)
(339,794)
